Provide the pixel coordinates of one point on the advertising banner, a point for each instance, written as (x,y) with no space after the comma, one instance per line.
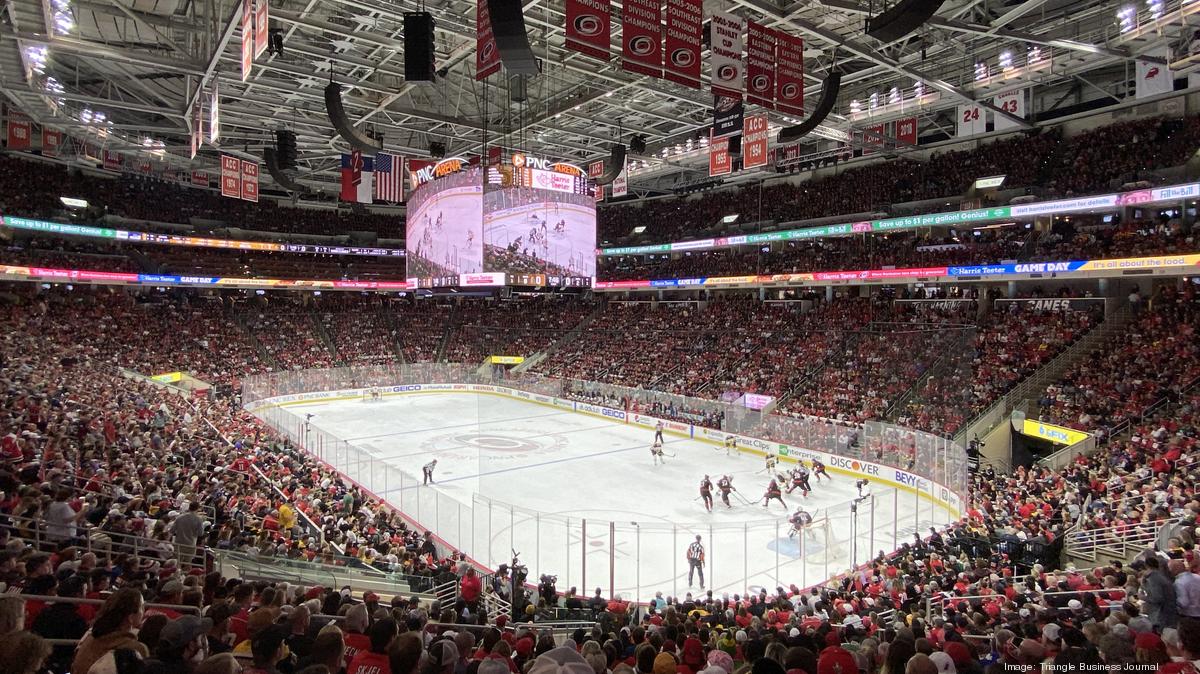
(760,65)
(789,74)
(1053,303)
(641,37)
(685,33)
(728,77)
(589,27)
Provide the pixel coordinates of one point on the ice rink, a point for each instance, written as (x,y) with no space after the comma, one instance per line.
(578,495)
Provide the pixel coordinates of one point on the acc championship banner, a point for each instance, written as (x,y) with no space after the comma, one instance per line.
(231,177)
(487,57)
(760,65)
(789,73)
(589,27)
(249,180)
(726,55)
(641,37)
(754,142)
(719,161)
(685,32)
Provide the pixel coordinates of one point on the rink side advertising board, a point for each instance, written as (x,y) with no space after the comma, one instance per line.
(889,476)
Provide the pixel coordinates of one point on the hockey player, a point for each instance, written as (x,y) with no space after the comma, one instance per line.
(731,443)
(725,484)
(427,471)
(819,470)
(772,461)
(800,481)
(658,429)
(706,486)
(773,492)
(799,521)
(656,451)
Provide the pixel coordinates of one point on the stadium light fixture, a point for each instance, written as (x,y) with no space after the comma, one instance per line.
(1006,60)
(1127,18)
(61,16)
(1156,8)
(981,71)
(894,96)
(639,229)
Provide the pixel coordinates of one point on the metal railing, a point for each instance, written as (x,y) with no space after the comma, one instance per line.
(105,544)
(1117,542)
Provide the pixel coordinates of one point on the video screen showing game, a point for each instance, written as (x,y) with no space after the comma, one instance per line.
(443,236)
(536,231)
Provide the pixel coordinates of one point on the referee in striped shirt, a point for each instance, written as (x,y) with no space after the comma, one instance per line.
(695,558)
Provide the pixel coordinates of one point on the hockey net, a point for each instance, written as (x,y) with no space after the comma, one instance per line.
(372,394)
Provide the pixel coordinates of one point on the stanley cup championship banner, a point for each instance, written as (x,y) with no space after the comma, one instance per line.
(685,33)
(726,56)
(789,73)
(641,37)
(589,27)
(760,65)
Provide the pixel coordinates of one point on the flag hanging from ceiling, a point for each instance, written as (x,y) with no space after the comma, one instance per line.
(684,40)
(487,56)
(356,177)
(789,73)
(760,64)
(726,55)
(247,38)
(641,37)
(589,27)
(389,177)
(1155,78)
(262,21)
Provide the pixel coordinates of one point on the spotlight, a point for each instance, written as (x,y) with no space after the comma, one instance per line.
(275,42)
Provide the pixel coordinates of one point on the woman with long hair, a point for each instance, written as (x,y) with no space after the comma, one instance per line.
(116,626)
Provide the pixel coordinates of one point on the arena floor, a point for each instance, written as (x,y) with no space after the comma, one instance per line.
(560,468)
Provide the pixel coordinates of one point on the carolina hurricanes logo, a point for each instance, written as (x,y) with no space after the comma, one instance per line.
(789,91)
(760,83)
(641,45)
(683,58)
(588,25)
(485,54)
(727,72)
(1152,73)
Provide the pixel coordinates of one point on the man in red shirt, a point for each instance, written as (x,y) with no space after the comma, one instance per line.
(469,590)
(375,660)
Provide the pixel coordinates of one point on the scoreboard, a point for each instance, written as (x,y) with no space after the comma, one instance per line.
(542,174)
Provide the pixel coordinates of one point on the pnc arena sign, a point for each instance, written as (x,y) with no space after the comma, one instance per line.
(422,173)
(521,160)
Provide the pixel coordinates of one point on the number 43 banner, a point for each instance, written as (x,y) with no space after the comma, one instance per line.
(1012,102)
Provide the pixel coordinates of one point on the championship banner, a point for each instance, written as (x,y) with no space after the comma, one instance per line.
(719,160)
(760,65)
(589,27)
(727,116)
(641,37)
(214,115)
(971,120)
(249,180)
(685,36)
(595,169)
(247,38)
(197,123)
(145,167)
(261,24)
(200,178)
(112,160)
(599,193)
(487,57)
(20,131)
(789,73)
(754,142)
(51,142)
(726,55)
(872,139)
(620,184)
(1154,78)
(906,131)
(231,177)
(1012,102)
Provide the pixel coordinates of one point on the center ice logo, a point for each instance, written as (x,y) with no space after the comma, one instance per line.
(492,445)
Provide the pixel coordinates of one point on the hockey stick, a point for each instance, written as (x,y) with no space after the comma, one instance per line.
(743,499)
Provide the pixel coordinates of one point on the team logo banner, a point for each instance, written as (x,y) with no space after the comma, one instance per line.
(727,116)
(789,73)
(589,27)
(641,37)
(685,33)
(760,64)
(726,57)
(487,57)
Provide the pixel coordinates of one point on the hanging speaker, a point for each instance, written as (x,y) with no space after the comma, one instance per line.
(271,159)
(418,47)
(637,145)
(285,148)
(337,116)
(829,94)
(616,162)
(903,18)
(512,42)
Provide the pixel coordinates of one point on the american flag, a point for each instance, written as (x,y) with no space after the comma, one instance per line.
(389,177)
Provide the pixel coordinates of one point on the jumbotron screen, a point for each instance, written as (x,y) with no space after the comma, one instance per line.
(459,234)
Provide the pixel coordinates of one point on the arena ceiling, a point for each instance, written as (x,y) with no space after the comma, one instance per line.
(143,63)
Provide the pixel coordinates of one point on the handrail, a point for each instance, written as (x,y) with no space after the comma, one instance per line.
(119,543)
(1115,541)
(83,601)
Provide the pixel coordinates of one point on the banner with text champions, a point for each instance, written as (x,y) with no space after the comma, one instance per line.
(760,65)
(789,73)
(589,27)
(728,78)
(685,35)
(487,57)
(641,37)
